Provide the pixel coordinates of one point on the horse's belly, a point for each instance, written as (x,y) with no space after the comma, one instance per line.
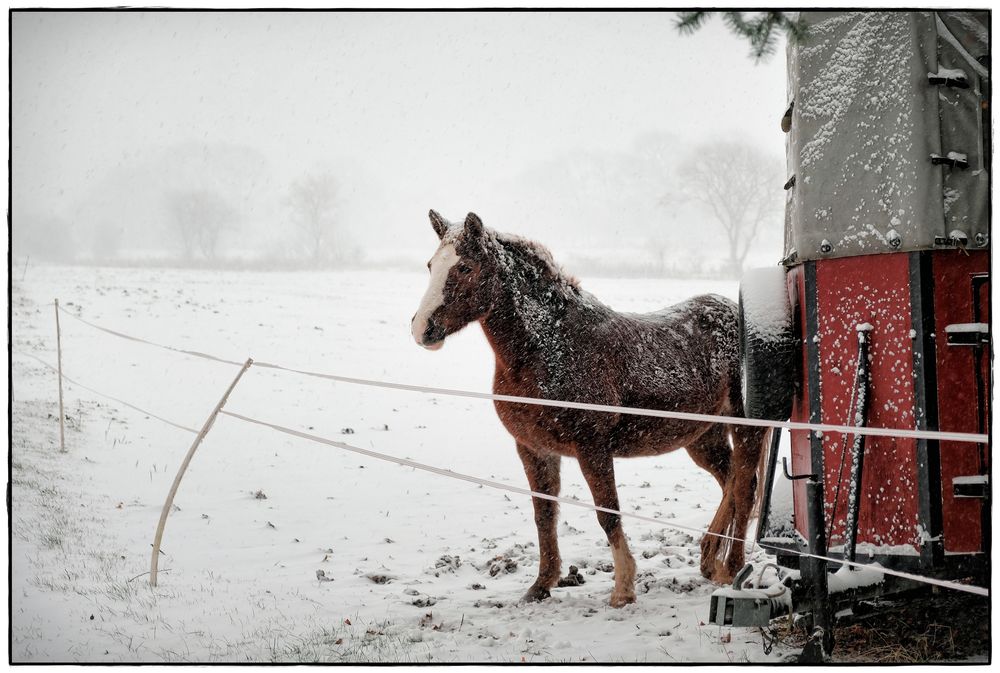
(538,428)
(655,438)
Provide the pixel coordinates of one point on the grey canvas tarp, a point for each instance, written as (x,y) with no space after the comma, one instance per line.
(885,145)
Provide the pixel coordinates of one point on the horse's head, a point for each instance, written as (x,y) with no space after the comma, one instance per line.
(457,293)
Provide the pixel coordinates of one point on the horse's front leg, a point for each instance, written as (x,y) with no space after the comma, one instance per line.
(599,470)
(543,477)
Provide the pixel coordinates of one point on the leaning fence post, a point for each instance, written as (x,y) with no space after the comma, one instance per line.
(180,472)
(62,416)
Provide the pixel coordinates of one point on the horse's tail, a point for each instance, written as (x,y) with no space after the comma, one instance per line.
(750,459)
(750,447)
(761,476)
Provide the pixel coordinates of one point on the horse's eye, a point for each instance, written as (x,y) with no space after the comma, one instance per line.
(464,268)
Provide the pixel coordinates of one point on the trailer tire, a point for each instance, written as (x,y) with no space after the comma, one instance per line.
(769,349)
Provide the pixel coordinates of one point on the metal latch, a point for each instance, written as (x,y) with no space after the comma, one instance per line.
(953,159)
(949,77)
(956,239)
(968,334)
(974,486)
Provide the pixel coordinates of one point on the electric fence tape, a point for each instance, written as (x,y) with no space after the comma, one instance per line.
(677,415)
(527,400)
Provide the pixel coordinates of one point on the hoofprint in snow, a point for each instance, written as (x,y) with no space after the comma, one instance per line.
(279,549)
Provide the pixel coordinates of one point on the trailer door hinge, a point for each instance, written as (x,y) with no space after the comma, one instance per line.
(975,486)
(968,334)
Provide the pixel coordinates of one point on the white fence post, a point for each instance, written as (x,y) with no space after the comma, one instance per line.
(62,416)
(180,473)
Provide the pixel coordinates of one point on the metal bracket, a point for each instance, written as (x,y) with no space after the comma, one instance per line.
(954,160)
(957,82)
(968,334)
(974,486)
(791,477)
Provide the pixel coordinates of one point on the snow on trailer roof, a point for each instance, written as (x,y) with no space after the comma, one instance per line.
(885,143)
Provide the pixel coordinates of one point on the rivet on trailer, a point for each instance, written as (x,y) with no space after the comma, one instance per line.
(877,316)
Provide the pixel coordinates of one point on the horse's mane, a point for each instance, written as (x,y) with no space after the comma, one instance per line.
(531,253)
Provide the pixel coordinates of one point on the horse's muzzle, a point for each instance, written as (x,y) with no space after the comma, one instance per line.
(433,346)
(430,337)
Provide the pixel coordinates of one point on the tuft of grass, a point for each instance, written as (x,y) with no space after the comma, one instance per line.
(377,643)
(919,629)
(53,540)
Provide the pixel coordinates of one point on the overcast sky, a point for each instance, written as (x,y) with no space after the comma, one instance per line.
(434,109)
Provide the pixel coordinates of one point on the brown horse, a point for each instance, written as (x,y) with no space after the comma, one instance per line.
(554,340)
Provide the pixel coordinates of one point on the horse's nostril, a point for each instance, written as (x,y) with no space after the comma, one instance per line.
(433,332)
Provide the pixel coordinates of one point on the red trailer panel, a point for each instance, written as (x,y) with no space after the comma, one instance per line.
(853,291)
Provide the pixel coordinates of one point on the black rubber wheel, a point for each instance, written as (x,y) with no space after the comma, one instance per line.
(770,351)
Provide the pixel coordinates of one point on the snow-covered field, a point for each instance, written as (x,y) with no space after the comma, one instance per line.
(423,568)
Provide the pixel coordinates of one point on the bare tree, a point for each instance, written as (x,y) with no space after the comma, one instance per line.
(199,217)
(739,185)
(311,200)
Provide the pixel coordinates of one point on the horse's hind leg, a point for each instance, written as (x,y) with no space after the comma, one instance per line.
(599,471)
(543,477)
(711,452)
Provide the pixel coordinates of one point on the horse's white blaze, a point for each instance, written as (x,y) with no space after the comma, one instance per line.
(445,258)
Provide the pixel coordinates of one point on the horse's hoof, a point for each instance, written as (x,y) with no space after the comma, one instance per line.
(621,600)
(535,594)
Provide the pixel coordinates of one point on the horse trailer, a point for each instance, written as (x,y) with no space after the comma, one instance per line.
(876,317)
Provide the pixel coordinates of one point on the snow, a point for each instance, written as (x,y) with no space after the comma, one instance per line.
(971,479)
(285,550)
(948,73)
(845,76)
(967,327)
(765,302)
(945,34)
(950,197)
(869,549)
(852,577)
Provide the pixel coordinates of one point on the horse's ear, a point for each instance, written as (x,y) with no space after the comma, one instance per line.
(473,224)
(440,226)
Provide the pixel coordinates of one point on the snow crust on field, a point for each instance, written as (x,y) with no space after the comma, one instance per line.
(414,567)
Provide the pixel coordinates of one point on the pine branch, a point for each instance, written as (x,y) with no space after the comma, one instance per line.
(758,30)
(736,23)
(689,22)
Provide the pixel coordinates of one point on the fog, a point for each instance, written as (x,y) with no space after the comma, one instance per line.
(280,138)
